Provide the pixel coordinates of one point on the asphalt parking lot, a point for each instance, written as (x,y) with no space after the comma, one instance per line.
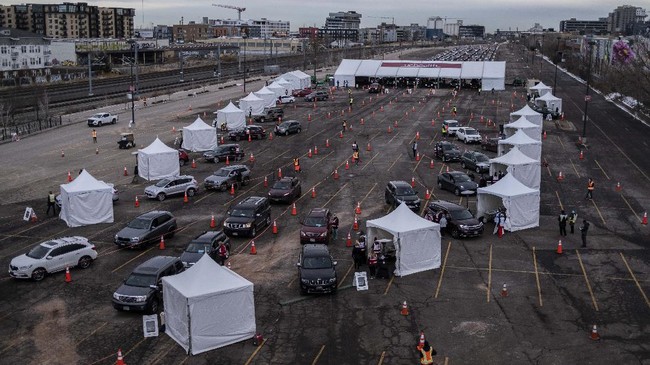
(553,300)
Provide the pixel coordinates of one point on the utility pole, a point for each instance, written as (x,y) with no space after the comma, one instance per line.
(90,75)
(180,56)
(587,96)
(556,61)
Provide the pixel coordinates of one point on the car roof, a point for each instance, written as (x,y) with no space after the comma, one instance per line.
(318,212)
(288,178)
(447,205)
(312,249)
(63,240)
(451,120)
(180,177)
(400,183)
(207,236)
(154,213)
(155,264)
(232,167)
(457,173)
(251,201)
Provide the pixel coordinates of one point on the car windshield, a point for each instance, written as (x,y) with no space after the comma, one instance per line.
(452,124)
(38,252)
(238,212)
(471,132)
(405,191)
(284,125)
(448,147)
(461,214)
(317,263)
(461,178)
(221,172)
(162,183)
(315,222)
(140,280)
(139,223)
(282,185)
(482,158)
(196,247)
(100,115)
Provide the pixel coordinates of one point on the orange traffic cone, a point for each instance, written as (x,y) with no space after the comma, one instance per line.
(594,334)
(137,202)
(559,247)
(336,174)
(232,189)
(68,277)
(355,225)
(97,151)
(433,122)
(618,186)
(395,124)
(69,176)
(560,177)
(412,182)
(33,217)
(357,210)
(582,155)
(309,153)
(422,340)
(431,164)
(544,135)
(417,136)
(249,137)
(315,150)
(504,290)
(279,172)
(645,218)
(405,309)
(173,129)
(275,227)
(309,117)
(227,161)
(327,142)
(253,248)
(390,130)
(120,359)
(185,199)
(368,147)
(417,156)
(313,192)
(62,153)
(341,134)
(126,173)
(427,195)
(266,182)
(251,158)
(161,246)
(362,121)
(270,136)
(213,224)
(348,241)
(500,231)
(447,168)
(294,211)
(228,264)
(222,140)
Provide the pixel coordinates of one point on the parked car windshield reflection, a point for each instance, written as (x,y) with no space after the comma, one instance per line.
(317,263)
(162,183)
(138,224)
(141,280)
(38,252)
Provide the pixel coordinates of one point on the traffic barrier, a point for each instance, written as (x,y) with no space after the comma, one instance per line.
(417,156)
(618,186)
(348,241)
(120,359)
(431,164)
(560,177)
(315,150)
(327,142)
(347,165)
(355,225)
(336,174)
(313,192)
(227,161)
(185,199)
(413,182)
(251,158)
(422,340)
(645,218)
(294,210)
(137,202)
(390,130)
(126,173)
(357,210)
(275,228)
(69,176)
(582,155)
(309,153)
(427,195)
(594,334)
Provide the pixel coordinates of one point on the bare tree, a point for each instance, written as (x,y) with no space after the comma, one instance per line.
(631,78)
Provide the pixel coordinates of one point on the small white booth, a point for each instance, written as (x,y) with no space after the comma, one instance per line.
(532,130)
(298,79)
(252,104)
(285,84)
(158,161)
(232,116)
(530,147)
(277,89)
(86,200)
(540,89)
(199,136)
(208,306)
(522,167)
(270,99)
(521,203)
(530,114)
(416,240)
(549,101)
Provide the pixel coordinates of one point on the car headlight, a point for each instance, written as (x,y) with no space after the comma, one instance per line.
(116,296)
(135,239)
(324,234)
(117,237)
(332,280)
(462,226)
(285,194)
(140,298)
(416,201)
(305,281)
(247,225)
(480,224)
(25,267)
(303,234)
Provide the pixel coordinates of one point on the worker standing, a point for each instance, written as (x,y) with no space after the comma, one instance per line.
(444,130)
(296,164)
(94,135)
(51,203)
(426,353)
(590,189)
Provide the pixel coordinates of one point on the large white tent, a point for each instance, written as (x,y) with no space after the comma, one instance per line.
(549,101)
(199,136)
(158,161)
(208,306)
(270,99)
(232,116)
(541,89)
(522,167)
(416,240)
(529,113)
(298,79)
(494,76)
(277,89)
(530,147)
(346,72)
(252,104)
(86,200)
(521,202)
(532,130)
(285,84)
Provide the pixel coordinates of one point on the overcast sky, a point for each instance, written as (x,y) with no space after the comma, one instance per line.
(493,14)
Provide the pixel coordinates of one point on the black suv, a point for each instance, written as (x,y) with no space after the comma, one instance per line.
(460,221)
(219,153)
(400,191)
(285,190)
(457,182)
(316,270)
(255,131)
(147,228)
(247,216)
(287,127)
(142,290)
(272,115)
(317,95)
(475,161)
(205,243)
(446,151)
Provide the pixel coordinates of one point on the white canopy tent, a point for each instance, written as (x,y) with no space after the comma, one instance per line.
(234,117)
(522,167)
(549,101)
(158,161)
(532,130)
(347,72)
(416,240)
(277,89)
(541,89)
(269,97)
(199,136)
(530,147)
(368,68)
(494,76)
(208,306)
(298,79)
(285,84)
(521,202)
(86,200)
(252,104)
(530,114)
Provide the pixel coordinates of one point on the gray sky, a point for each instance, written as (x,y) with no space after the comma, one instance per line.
(493,14)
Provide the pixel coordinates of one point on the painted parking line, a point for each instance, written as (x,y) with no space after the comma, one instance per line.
(41,239)
(322,348)
(395,136)
(601,169)
(394,162)
(539,287)
(335,194)
(163,355)
(442,270)
(205,196)
(561,143)
(92,333)
(574,168)
(259,347)
(489,284)
(645,297)
(23,231)
(584,274)
(368,163)
(345,276)
(599,213)
(381,358)
(133,259)
(628,204)
(390,282)
(275,158)
(322,159)
(559,200)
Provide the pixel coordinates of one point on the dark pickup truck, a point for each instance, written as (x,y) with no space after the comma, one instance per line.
(270,115)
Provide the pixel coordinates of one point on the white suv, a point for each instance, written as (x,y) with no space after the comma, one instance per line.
(452,126)
(177,185)
(468,135)
(286,99)
(52,256)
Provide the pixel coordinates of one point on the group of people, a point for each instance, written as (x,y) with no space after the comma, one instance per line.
(571,219)
(375,259)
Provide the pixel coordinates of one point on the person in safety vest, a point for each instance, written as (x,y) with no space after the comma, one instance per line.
(51,203)
(296,164)
(590,189)
(222,253)
(444,130)
(426,353)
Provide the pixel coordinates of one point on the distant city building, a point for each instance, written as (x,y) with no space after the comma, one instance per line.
(308,32)
(69,20)
(255,28)
(343,20)
(435,28)
(624,15)
(22,51)
(471,31)
(341,28)
(189,33)
(584,26)
(452,29)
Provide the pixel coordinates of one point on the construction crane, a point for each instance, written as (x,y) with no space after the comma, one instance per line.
(383,17)
(239,10)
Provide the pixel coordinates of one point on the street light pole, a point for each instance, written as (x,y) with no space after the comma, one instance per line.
(90,76)
(180,56)
(556,61)
(245,38)
(541,56)
(587,96)
(132,97)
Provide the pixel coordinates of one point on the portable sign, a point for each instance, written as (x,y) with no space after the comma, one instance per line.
(28,213)
(150,325)
(361,280)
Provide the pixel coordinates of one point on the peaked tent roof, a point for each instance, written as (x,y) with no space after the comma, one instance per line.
(198,125)
(84,182)
(514,157)
(368,68)
(275,84)
(521,123)
(402,219)
(526,110)
(157,146)
(282,80)
(541,86)
(508,186)
(347,67)
(231,108)
(265,90)
(252,97)
(520,137)
(472,70)
(548,97)
(299,74)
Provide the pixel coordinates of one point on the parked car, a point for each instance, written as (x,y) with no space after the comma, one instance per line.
(316,227)
(452,126)
(226,176)
(374,88)
(490,144)
(146,228)
(176,185)
(317,95)
(142,290)
(271,115)
(398,192)
(446,151)
(116,196)
(285,190)
(301,93)
(255,131)
(286,99)
(247,216)
(51,256)
(468,135)
(316,270)
(288,127)
(126,141)
(475,161)
(99,119)
(460,221)
(207,243)
(219,153)
(456,182)
(183,157)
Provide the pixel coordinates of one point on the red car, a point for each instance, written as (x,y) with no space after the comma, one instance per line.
(301,93)
(183,157)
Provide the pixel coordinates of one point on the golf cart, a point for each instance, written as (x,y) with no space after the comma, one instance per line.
(126,141)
